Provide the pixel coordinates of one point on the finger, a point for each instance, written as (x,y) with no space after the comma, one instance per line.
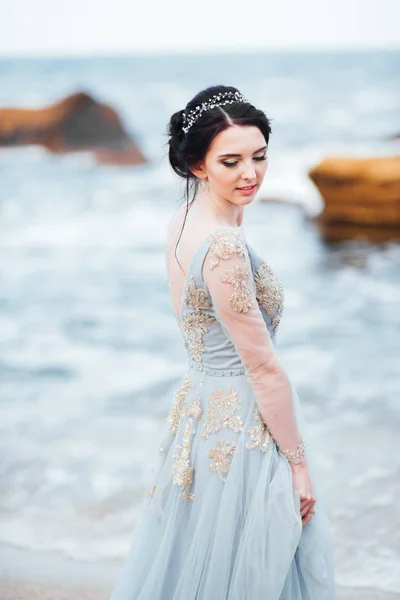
(307,518)
(310,514)
(308,498)
(307,502)
(305,509)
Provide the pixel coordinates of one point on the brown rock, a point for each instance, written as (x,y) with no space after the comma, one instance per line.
(76,123)
(341,232)
(361,191)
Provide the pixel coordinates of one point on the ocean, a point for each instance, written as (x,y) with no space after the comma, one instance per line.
(89,347)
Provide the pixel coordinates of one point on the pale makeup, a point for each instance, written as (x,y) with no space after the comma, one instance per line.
(236,158)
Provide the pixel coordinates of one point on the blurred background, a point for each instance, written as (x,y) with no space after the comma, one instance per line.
(89,346)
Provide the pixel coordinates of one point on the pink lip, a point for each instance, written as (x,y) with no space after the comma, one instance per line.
(247,192)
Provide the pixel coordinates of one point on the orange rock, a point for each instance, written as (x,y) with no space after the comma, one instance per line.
(359,190)
(76,123)
(339,232)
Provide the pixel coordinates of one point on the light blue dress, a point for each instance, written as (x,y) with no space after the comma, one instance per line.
(222,520)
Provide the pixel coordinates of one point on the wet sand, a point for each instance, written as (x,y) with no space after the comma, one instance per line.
(25,591)
(28,575)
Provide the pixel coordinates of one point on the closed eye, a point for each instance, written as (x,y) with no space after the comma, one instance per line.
(232,164)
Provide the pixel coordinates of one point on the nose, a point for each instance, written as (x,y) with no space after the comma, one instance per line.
(249,172)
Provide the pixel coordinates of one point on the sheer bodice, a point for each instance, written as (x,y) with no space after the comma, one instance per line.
(230,309)
(207,341)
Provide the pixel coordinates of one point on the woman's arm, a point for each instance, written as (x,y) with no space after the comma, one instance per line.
(228,276)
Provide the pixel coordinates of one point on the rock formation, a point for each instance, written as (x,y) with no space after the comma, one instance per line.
(363,191)
(77,123)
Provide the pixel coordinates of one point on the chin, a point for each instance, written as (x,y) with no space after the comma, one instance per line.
(245,200)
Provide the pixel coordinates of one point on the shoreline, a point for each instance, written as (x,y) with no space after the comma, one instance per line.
(30,575)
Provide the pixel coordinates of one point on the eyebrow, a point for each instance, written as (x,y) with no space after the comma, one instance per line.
(255,152)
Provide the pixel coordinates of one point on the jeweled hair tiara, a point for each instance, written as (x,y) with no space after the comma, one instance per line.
(216,100)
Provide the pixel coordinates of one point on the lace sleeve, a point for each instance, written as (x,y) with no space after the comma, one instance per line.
(228,276)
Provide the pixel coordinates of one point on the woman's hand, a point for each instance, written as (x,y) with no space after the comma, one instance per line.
(303,486)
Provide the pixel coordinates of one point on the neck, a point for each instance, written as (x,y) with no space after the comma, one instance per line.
(219,209)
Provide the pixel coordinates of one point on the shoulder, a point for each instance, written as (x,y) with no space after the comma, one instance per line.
(225,243)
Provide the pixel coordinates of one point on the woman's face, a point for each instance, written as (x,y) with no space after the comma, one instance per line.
(235,164)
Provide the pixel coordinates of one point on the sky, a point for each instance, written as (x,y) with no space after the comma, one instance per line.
(87,27)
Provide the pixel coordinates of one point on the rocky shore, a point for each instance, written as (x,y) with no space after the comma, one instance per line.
(77,123)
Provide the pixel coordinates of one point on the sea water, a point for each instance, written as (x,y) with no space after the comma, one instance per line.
(89,347)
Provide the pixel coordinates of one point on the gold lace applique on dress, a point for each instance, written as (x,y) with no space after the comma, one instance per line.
(151,492)
(180,396)
(180,408)
(182,470)
(241,299)
(224,244)
(196,298)
(148,497)
(222,405)
(297,456)
(220,458)
(269,293)
(193,410)
(259,434)
(195,324)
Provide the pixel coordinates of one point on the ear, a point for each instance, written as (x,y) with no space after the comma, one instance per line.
(199,171)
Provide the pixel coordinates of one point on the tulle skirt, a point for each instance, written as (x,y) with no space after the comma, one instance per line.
(222,520)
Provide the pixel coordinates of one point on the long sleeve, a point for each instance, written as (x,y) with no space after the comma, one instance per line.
(228,277)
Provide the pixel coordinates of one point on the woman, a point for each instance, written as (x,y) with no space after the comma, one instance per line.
(232,514)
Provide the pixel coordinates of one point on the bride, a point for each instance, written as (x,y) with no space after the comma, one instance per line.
(233,513)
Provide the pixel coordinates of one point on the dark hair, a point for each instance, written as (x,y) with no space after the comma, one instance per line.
(187,150)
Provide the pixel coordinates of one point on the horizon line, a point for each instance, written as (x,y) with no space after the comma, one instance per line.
(228,50)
